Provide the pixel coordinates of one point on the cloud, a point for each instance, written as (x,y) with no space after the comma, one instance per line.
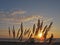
(16,16)
(32,17)
(18,12)
(9,14)
(45,20)
(13,17)
(23,19)
(49,19)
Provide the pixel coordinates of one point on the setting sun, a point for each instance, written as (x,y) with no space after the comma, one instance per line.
(40,35)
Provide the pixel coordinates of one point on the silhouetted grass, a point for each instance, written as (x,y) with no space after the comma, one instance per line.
(18,32)
(9,31)
(33,28)
(34,32)
(13,32)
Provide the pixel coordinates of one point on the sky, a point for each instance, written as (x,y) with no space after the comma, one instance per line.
(13,12)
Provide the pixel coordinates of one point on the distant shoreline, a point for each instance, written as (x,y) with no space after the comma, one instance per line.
(16,40)
(25,43)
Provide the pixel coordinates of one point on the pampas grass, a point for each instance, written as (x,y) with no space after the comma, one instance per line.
(13,32)
(18,32)
(34,32)
(9,31)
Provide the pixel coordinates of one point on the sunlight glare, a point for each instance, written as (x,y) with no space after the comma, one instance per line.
(40,35)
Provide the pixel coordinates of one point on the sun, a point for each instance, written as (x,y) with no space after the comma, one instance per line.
(40,35)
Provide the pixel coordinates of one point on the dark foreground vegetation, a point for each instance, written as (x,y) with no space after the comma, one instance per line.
(26,43)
